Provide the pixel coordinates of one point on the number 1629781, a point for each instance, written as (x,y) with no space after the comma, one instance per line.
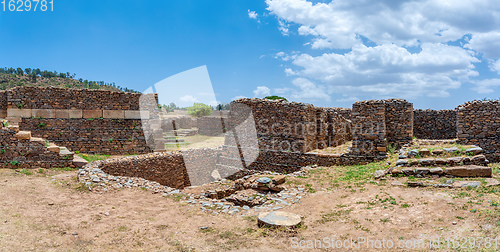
(27,5)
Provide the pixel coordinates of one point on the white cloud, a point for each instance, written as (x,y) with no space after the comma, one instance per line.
(349,99)
(495,66)
(486,43)
(238,97)
(436,63)
(308,90)
(390,70)
(262,91)
(188,98)
(486,86)
(252,14)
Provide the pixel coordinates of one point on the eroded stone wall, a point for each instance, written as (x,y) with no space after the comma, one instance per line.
(478,123)
(26,152)
(435,124)
(106,136)
(369,129)
(398,121)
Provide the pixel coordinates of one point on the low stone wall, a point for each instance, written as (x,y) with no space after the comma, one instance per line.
(181,122)
(3,104)
(166,168)
(435,124)
(107,136)
(478,123)
(176,169)
(26,152)
(211,126)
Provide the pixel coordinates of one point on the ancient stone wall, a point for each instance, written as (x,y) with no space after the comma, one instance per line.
(369,129)
(344,112)
(478,123)
(107,136)
(3,104)
(166,168)
(398,121)
(22,151)
(176,169)
(435,124)
(211,125)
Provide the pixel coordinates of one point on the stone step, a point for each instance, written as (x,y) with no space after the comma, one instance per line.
(79,161)
(457,171)
(451,161)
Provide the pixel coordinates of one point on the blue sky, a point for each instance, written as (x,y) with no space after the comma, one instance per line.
(436,54)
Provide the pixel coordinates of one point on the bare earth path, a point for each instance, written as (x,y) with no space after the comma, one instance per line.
(47,212)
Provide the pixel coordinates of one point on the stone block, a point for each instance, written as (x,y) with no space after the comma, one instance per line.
(132,114)
(92,114)
(113,114)
(23,135)
(19,113)
(43,113)
(3,113)
(469,171)
(62,113)
(75,113)
(54,149)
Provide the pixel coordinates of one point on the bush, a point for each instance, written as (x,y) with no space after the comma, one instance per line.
(199,110)
(275,97)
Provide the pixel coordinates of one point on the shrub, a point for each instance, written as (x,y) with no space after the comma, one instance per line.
(199,110)
(275,97)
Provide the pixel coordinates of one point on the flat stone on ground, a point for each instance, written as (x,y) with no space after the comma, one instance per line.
(492,182)
(278,219)
(78,161)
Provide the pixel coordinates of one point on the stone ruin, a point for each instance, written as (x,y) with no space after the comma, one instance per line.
(260,135)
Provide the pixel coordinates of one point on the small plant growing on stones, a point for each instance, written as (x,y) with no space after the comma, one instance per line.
(20,105)
(14,162)
(40,125)
(5,124)
(110,140)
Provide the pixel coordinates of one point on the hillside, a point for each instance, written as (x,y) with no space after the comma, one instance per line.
(10,78)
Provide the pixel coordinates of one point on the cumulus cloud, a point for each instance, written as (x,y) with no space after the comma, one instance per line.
(262,91)
(486,86)
(252,14)
(188,98)
(402,48)
(308,90)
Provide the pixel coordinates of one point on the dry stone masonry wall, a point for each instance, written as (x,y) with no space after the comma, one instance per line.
(479,124)
(435,124)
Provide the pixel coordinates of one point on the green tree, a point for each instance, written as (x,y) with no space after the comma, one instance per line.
(199,110)
(275,97)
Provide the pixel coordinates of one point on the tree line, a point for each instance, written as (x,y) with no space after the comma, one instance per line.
(36,73)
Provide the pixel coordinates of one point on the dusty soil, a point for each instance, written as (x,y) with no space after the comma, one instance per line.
(49,212)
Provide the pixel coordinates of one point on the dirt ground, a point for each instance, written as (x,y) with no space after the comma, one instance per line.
(47,211)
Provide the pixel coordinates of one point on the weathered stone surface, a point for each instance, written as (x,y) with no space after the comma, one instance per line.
(397,183)
(451,149)
(468,171)
(492,182)
(478,158)
(465,184)
(440,161)
(474,151)
(91,113)
(279,219)
(78,161)
(427,161)
(413,153)
(402,162)
(435,124)
(23,135)
(279,179)
(415,184)
(20,113)
(424,152)
(113,114)
(454,160)
(437,152)
(43,113)
(408,171)
(422,171)
(379,174)
(54,149)
(75,113)
(437,170)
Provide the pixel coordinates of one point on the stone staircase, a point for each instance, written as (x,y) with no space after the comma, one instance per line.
(441,161)
(20,149)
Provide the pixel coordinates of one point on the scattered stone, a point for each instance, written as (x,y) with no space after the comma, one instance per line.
(440,161)
(279,219)
(402,157)
(450,181)
(454,223)
(465,184)
(442,185)
(204,228)
(454,160)
(263,180)
(215,174)
(478,158)
(379,174)
(408,171)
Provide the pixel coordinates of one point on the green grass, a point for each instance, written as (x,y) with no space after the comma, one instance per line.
(94,157)
(63,169)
